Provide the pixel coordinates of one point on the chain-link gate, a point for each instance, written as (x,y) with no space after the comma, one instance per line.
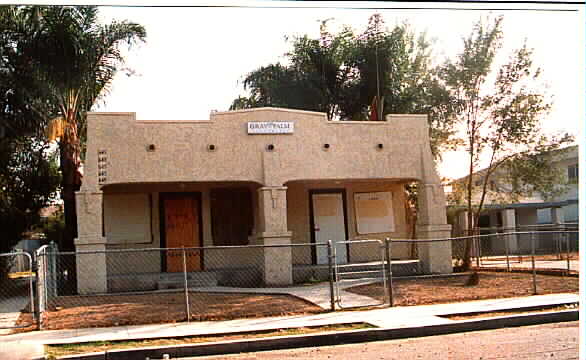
(16,290)
(367,264)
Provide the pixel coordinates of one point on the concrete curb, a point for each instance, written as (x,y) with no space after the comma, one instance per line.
(328,339)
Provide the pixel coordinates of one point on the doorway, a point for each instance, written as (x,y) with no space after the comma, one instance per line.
(181,227)
(328,222)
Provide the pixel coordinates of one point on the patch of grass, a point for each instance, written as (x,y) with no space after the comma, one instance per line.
(55,351)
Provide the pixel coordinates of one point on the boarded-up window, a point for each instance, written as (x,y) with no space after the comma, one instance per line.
(232,218)
(374,212)
(127,218)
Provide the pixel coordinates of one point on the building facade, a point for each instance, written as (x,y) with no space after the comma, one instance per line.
(529,213)
(262,176)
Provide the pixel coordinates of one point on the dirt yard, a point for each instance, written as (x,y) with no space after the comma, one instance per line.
(491,285)
(116,310)
(74,312)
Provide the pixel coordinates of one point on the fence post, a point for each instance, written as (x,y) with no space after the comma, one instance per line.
(566,235)
(532,238)
(52,277)
(36,303)
(558,240)
(507,250)
(41,276)
(389,270)
(31,284)
(476,242)
(185,286)
(331,276)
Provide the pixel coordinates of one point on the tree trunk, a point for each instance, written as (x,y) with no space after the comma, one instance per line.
(70,183)
(467,264)
(470,225)
(70,214)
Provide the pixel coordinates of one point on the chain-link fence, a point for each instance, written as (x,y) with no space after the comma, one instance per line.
(141,286)
(484,266)
(16,291)
(366,264)
(547,247)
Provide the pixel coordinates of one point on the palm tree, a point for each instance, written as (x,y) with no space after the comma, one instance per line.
(75,58)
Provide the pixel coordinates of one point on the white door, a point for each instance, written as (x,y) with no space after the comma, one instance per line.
(328,220)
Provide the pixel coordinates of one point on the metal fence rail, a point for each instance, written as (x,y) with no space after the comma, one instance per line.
(551,249)
(187,284)
(360,272)
(16,291)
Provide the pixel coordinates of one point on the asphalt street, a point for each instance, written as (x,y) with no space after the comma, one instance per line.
(549,341)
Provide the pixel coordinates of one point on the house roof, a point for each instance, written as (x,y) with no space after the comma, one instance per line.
(532,205)
(566,150)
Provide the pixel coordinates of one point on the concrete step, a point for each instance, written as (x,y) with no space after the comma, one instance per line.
(360,271)
(372,270)
(194,279)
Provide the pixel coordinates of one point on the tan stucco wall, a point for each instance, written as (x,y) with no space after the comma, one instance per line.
(119,161)
(127,225)
(129,200)
(181,152)
(298,217)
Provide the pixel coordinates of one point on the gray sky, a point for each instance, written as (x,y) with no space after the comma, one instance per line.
(195,58)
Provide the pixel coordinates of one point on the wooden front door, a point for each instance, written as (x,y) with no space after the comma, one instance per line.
(181,216)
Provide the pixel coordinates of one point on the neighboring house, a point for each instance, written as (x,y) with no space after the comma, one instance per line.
(524,213)
(258,176)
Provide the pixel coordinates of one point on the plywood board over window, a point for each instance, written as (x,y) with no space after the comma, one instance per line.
(374,212)
(127,218)
(232,218)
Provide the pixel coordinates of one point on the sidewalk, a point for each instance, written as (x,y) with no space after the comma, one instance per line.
(395,318)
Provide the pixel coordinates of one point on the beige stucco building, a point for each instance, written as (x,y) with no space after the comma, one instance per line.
(260,176)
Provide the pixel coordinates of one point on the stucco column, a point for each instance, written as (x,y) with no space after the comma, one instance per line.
(92,272)
(277,261)
(463,223)
(557,215)
(510,225)
(435,257)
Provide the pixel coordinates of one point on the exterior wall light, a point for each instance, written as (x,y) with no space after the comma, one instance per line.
(211,147)
(380,146)
(151,147)
(326,146)
(270,147)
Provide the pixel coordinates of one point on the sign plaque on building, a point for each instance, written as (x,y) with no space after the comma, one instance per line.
(270,127)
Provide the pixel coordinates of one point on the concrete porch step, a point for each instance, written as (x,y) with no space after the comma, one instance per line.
(302,273)
(373,269)
(360,271)
(194,279)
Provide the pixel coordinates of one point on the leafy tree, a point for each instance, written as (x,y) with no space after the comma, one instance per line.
(28,173)
(28,182)
(72,59)
(54,227)
(501,118)
(55,64)
(357,77)
(23,104)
